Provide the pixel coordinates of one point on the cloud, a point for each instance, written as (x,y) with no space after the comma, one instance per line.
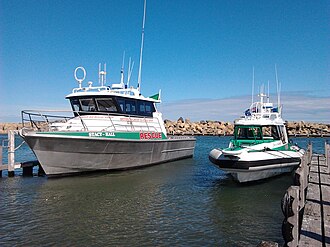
(12,113)
(296,107)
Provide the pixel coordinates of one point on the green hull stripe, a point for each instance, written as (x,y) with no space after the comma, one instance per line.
(111,135)
(237,145)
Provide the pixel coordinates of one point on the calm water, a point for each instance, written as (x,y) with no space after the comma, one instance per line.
(184,203)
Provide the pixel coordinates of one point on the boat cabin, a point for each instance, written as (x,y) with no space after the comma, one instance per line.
(101,104)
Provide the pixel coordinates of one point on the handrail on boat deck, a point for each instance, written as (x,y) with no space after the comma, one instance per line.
(41,120)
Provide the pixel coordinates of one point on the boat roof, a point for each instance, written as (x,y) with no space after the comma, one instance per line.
(261,113)
(120,89)
(106,91)
(262,120)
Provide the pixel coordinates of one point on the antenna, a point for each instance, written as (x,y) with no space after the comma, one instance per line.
(252,83)
(105,74)
(142,42)
(102,75)
(80,80)
(99,73)
(278,88)
(122,71)
(130,69)
(268,93)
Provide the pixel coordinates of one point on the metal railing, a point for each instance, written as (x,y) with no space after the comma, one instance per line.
(47,120)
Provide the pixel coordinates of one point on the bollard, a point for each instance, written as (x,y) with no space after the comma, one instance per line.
(11,153)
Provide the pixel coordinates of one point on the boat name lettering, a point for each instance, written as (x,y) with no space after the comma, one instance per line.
(150,135)
(101,134)
(136,120)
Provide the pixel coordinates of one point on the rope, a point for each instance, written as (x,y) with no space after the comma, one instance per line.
(19,145)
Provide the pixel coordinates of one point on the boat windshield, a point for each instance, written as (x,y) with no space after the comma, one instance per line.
(268,132)
(248,133)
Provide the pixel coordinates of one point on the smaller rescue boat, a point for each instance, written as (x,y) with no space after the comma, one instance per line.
(260,148)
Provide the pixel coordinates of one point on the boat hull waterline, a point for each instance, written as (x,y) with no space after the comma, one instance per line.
(68,155)
(258,166)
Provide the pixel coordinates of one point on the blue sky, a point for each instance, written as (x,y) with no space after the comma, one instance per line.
(200,53)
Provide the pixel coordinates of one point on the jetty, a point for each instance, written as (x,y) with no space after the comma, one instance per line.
(27,167)
(306,204)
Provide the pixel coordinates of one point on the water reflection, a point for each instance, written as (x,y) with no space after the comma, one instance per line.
(188,202)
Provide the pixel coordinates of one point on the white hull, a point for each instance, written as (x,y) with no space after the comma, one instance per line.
(249,167)
(255,175)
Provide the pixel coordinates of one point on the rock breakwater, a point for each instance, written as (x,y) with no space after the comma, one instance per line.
(210,127)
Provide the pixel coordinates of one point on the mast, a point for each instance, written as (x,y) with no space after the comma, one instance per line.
(130,69)
(102,74)
(252,84)
(122,71)
(141,48)
(278,91)
(268,93)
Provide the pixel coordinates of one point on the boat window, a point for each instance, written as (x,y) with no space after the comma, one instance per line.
(149,108)
(270,132)
(87,105)
(130,106)
(107,105)
(145,108)
(275,133)
(75,105)
(135,107)
(251,133)
(121,103)
(282,134)
(141,107)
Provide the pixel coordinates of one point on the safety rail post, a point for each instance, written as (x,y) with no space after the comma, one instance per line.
(11,153)
(82,122)
(159,125)
(114,128)
(131,123)
(145,120)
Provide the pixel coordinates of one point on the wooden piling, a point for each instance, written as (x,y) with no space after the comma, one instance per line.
(290,208)
(28,171)
(0,160)
(327,155)
(11,153)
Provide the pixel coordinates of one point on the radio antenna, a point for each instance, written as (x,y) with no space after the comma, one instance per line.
(130,69)
(252,84)
(122,71)
(278,90)
(141,48)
